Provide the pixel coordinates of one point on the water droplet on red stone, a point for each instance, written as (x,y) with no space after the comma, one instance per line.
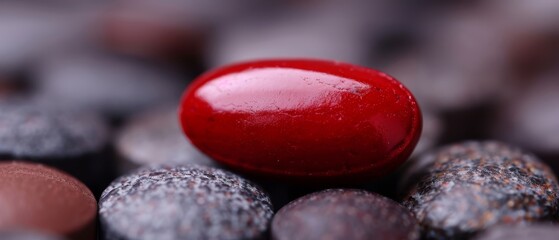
(302,119)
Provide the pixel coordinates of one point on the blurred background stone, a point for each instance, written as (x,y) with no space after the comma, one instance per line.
(479,69)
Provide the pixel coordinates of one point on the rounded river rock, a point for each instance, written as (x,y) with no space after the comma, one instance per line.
(184,202)
(471,186)
(344,214)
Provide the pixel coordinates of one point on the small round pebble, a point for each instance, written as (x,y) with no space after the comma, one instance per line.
(33,196)
(71,140)
(184,202)
(344,214)
(470,186)
(156,138)
(34,132)
(535,231)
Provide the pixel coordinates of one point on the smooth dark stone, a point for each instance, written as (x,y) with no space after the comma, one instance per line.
(344,214)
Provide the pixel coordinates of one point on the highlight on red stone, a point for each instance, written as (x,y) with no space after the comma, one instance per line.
(302,119)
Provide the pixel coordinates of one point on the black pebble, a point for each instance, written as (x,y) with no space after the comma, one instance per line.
(344,214)
(184,202)
(470,186)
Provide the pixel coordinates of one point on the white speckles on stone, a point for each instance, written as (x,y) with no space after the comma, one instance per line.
(184,202)
(31,131)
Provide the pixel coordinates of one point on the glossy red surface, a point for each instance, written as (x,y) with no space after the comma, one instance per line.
(302,119)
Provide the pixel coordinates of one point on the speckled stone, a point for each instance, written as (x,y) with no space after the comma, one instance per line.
(30,131)
(470,186)
(535,231)
(184,202)
(26,235)
(344,214)
(156,138)
(71,140)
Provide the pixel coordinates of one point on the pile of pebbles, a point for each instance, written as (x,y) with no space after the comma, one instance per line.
(91,146)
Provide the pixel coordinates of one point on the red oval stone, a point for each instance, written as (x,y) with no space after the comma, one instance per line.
(302,119)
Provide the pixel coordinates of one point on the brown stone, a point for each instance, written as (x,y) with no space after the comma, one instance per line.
(33,196)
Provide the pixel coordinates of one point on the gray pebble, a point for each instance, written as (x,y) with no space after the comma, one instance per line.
(470,186)
(184,202)
(36,132)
